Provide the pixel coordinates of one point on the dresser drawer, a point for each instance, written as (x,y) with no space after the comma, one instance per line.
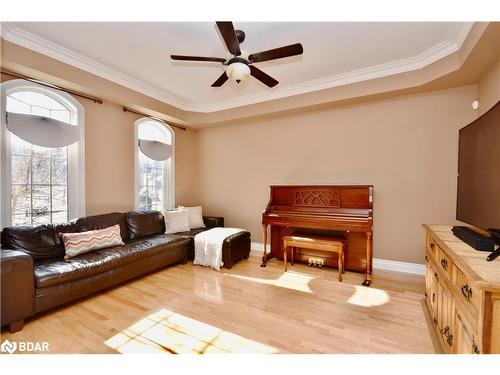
(468,293)
(444,262)
(432,247)
(465,337)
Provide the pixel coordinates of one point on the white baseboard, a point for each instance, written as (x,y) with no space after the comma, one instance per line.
(397,266)
(258,246)
(379,264)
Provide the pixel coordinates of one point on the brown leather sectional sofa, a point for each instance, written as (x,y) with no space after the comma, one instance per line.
(35,277)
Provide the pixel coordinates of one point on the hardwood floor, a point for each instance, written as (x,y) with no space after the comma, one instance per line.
(188,308)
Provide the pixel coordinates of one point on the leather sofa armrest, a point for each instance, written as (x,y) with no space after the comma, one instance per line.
(213,221)
(17,288)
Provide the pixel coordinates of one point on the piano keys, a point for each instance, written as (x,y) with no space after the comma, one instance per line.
(326,209)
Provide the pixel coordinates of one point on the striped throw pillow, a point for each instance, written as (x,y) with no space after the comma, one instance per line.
(84,242)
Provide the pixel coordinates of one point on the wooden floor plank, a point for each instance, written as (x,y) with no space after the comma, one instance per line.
(247,308)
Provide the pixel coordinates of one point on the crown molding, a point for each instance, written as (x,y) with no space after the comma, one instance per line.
(31,41)
(454,40)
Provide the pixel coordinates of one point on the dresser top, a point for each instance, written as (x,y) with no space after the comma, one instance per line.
(471,262)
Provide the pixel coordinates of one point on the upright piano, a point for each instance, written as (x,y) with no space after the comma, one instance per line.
(345,210)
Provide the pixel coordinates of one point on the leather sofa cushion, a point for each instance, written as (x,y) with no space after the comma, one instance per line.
(144,223)
(58,271)
(213,221)
(71,227)
(41,241)
(104,221)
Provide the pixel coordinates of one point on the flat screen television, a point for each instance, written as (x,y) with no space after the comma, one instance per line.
(478,193)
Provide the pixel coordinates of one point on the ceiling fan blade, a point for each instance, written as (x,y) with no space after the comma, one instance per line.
(277,53)
(229,35)
(197,58)
(263,77)
(220,81)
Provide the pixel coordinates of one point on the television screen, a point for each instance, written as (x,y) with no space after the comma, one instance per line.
(478,195)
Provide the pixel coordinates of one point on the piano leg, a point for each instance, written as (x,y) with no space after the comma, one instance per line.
(265,243)
(369,257)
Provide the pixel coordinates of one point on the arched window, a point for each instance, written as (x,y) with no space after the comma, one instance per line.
(154,165)
(42,148)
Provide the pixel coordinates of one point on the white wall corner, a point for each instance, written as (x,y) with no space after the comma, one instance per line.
(379,264)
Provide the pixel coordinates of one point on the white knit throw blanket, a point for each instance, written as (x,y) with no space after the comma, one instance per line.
(208,246)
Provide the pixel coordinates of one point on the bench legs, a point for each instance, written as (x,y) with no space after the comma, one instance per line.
(341,266)
(341,260)
(292,251)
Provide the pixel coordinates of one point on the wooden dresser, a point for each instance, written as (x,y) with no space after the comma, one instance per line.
(462,294)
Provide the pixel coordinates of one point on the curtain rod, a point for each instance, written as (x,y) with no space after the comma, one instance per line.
(50,85)
(76,93)
(125,109)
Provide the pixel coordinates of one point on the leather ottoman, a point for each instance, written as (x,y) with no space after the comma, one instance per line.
(234,248)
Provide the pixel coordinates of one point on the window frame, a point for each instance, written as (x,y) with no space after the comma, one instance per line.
(76,151)
(168,170)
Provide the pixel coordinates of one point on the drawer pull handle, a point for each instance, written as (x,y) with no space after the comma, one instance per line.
(444,263)
(466,291)
(449,340)
(475,348)
(433,297)
(449,337)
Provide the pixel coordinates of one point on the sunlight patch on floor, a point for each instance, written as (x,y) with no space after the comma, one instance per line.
(368,297)
(290,280)
(168,332)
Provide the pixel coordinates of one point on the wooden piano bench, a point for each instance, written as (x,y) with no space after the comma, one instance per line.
(315,242)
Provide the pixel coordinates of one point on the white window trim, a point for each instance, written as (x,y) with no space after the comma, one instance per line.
(76,152)
(168,183)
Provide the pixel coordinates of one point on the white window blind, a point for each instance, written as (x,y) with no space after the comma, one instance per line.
(155,150)
(42,131)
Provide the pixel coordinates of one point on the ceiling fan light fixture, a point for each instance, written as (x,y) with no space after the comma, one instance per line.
(238,62)
(238,71)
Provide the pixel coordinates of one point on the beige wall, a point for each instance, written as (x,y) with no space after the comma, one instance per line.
(489,89)
(406,147)
(109,159)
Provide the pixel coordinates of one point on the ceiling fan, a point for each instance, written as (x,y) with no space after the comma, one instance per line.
(239,64)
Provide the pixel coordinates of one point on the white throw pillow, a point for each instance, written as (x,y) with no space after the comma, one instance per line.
(176,221)
(195,216)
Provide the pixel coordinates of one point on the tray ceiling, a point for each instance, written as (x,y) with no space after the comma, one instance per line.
(136,55)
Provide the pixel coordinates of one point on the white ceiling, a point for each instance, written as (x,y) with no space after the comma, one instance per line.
(335,53)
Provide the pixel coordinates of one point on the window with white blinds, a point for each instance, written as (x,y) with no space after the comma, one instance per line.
(154,160)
